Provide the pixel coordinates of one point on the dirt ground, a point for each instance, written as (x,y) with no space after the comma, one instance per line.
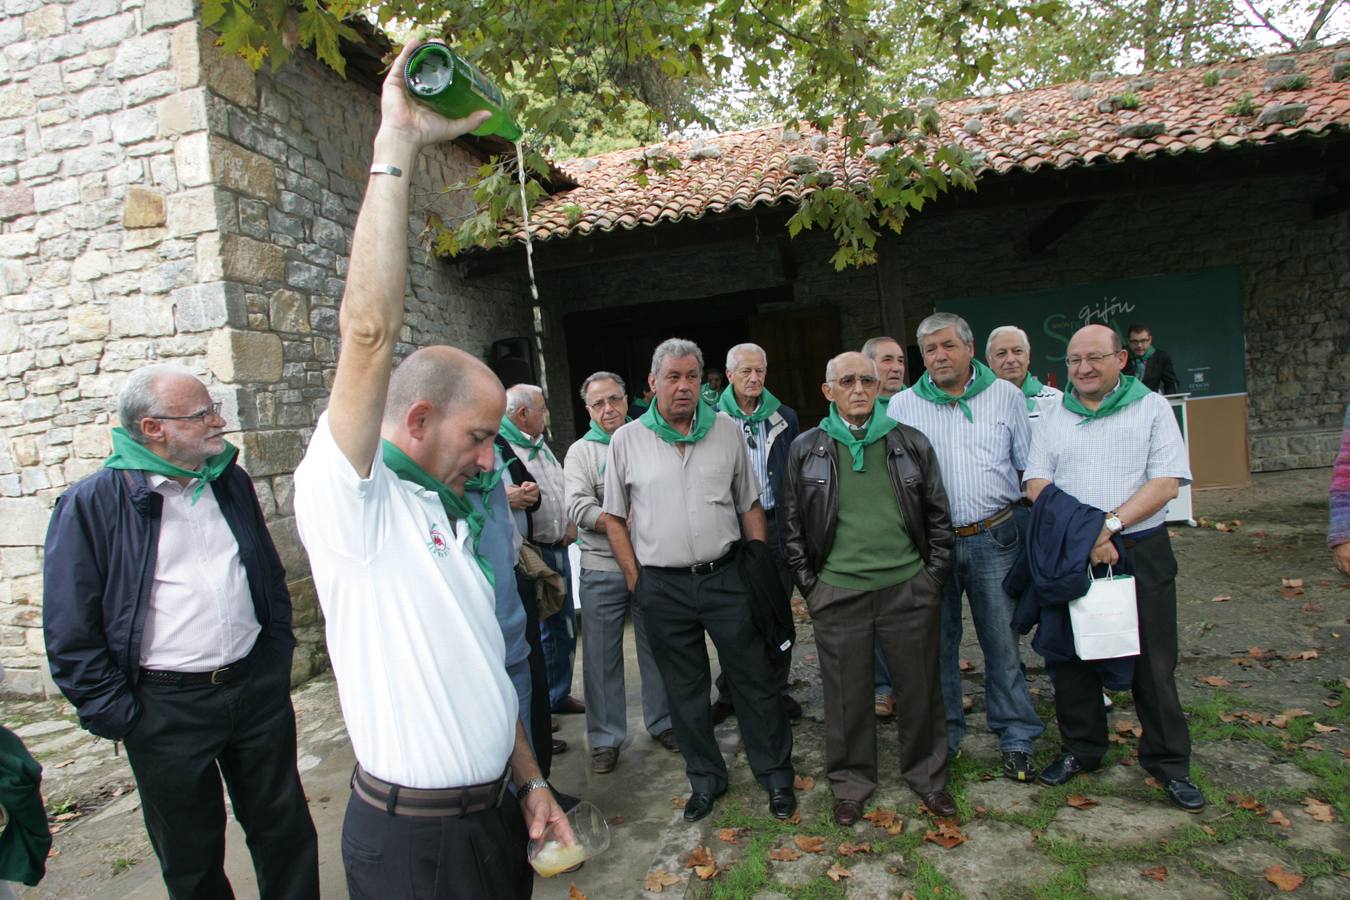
(1264,622)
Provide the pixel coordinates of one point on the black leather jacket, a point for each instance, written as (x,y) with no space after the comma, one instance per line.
(811,503)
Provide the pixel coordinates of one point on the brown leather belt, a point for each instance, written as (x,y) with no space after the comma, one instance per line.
(997,518)
(405,801)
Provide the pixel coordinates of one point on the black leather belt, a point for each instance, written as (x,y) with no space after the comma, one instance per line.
(223,675)
(1025,502)
(705,568)
(428,802)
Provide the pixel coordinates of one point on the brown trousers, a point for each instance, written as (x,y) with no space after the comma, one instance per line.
(905,619)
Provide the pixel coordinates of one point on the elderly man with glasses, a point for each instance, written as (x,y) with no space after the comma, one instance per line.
(168,626)
(605,598)
(869,543)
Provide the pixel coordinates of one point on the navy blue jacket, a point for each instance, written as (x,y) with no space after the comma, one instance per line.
(782,429)
(98,569)
(1053,571)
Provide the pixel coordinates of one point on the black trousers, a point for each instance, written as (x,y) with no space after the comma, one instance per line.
(186,740)
(541,719)
(780,664)
(481,855)
(680,607)
(1165,746)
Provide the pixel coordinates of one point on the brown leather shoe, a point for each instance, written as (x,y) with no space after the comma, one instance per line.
(939,803)
(885,705)
(847,812)
(604,759)
(570,706)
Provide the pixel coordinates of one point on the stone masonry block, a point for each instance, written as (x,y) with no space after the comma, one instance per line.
(131,126)
(192,212)
(253,262)
(87,10)
(140,315)
(192,159)
(245,356)
(45,21)
(87,323)
(185,47)
(288,311)
(15,200)
(182,112)
(141,56)
(271,452)
(204,307)
(227,75)
(143,208)
(165,12)
(23,521)
(242,170)
(17,100)
(91,265)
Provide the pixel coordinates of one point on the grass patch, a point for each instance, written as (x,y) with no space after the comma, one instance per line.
(749,875)
(1242,107)
(121,864)
(1128,100)
(1212,78)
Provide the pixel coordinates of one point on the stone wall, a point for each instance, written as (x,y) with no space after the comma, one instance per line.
(161,202)
(1296,276)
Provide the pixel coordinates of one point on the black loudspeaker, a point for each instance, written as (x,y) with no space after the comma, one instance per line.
(512,361)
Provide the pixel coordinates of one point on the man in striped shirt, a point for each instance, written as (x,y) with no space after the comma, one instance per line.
(1115,445)
(978,425)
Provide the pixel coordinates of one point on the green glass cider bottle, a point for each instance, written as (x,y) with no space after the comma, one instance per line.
(454,87)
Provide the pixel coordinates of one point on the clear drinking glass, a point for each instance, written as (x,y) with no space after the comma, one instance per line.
(568,843)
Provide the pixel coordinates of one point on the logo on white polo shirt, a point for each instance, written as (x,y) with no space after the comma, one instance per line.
(438,544)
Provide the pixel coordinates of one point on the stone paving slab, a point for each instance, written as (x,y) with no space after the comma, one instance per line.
(1181,882)
(998,859)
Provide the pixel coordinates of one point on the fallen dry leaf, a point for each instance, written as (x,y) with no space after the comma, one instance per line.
(847,848)
(62,764)
(699,856)
(1301,654)
(1318,810)
(1280,819)
(886,819)
(729,835)
(1258,653)
(804,782)
(1249,803)
(967,704)
(1311,608)
(678,802)
(1331,704)
(615,820)
(948,834)
(1078,801)
(1157,873)
(659,880)
(1126,726)
(1223,598)
(706,872)
(574,894)
(809,843)
(1283,719)
(1153,782)
(795,818)
(1209,830)
(967,666)
(1324,729)
(837,872)
(1291,582)
(1217,681)
(1285,880)
(785,854)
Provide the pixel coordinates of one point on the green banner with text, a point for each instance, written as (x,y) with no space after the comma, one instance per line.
(1195,316)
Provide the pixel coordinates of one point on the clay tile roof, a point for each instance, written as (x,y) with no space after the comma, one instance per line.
(1053,130)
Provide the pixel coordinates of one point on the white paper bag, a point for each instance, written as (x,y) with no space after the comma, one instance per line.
(1105,620)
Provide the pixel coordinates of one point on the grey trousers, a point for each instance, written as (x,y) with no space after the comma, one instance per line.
(905,620)
(605,602)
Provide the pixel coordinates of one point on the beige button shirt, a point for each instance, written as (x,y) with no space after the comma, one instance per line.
(681,509)
(550,519)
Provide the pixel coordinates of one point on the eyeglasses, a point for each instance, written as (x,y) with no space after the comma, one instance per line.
(200,415)
(1093,358)
(605,401)
(847,381)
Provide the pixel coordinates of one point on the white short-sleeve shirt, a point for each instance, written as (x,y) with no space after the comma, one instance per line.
(411,627)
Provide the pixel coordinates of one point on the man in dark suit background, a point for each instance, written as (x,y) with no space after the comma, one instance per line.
(1149,364)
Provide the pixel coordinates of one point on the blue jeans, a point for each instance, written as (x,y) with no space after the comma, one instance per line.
(558,633)
(881,677)
(982,560)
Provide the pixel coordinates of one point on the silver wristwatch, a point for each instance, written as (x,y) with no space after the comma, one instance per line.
(1113,523)
(533,784)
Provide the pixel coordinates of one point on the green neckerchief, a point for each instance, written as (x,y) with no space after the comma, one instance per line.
(768,405)
(1127,391)
(485,482)
(515,436)
(598,434)
(128,454)
(929,391)
(877,428)
(1031,386)
(456,507)
(708,394)
(1141,361)
(704,416)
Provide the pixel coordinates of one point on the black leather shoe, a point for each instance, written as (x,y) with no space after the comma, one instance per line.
(782,802)
(792,708)
(721,711)
(1062,768)
(847,812)
(1183,793)
(667,739)
(699,805)
(939,803)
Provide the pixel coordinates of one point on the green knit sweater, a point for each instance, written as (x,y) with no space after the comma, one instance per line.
(872,550)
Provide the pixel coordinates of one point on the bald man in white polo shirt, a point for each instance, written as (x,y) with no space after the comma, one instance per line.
(406,592)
